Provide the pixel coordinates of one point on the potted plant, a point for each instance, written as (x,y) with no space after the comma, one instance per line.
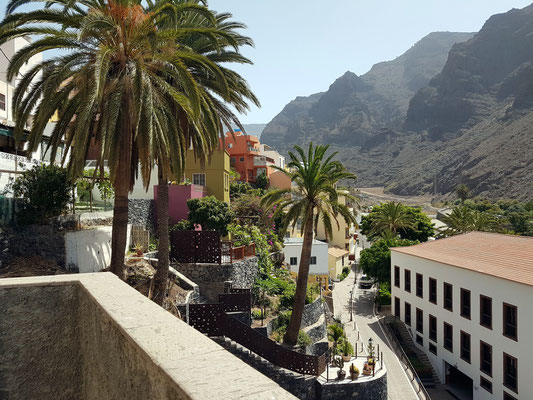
(339,363)
(367,370)
(370,350)
(347,350)
(139,250)
(354,372)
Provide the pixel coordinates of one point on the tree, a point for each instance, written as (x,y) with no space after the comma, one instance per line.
(463,192)
(114,83)
(262,182)
(375,261)
(314,198)
(463,219)
(422,228)
(389,219)
(46,192)
(211,213)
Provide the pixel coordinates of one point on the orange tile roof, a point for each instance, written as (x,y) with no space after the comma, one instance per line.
(503,256)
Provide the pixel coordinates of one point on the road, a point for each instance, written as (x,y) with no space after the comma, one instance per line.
(398,385)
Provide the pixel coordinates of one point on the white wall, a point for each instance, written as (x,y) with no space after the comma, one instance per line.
(90,249)
(293,248)
(500,290)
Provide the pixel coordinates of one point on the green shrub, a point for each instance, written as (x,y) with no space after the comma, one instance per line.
(345,271)
(211,213)
(384,297)
(303,339)
(46,191)
(183,225)
(256,314)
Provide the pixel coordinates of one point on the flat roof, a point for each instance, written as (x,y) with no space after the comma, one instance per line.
(337,251)
(503,256)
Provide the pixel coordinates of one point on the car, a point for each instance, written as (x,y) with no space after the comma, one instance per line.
(365,282)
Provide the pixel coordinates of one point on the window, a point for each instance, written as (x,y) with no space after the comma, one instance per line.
(2,102)
(510,372)
(419,285)
(465,303)
(230,146)
(433,348)
(433,328)
(510,321)
(465,346)
(396,307)
(407,280)
(432,290)
(485,384)
(198,179)
(448,337)
(507,396)
(241,159)
(485,311)
(485,355)
(419,340)
(419,320)
(396,276)
(232,160)
(448,296)
(407,312)
(294,261)
(312,261)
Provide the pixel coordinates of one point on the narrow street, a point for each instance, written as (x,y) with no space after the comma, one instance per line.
(364,320)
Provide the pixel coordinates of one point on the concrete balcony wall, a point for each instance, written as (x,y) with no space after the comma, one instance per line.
(91,336)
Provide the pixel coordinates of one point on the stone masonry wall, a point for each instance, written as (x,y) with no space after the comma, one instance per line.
(142,212)
(211,277)
(375,389)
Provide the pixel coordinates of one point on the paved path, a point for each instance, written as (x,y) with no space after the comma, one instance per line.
(398,385)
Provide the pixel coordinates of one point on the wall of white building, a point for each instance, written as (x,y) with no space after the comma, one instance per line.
(293,248)
(268,151)
(500,290)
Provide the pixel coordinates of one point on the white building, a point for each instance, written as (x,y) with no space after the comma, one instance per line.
(467,300)
(267,151)
(319,256)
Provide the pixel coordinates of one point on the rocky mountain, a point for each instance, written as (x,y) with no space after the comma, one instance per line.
(472,122)
(355,108)
(254,129)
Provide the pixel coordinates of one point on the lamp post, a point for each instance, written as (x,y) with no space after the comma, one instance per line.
(351,305)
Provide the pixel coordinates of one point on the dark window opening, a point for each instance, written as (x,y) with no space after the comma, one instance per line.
(432,290)
(419,320)
(407,278)
(510,372)
(485,310)
(510,315)
(396,276)
(465,346)
(433,328)
(407,314)
(433,348)
(465,303)
(419,340)
(485,355)
(448,296)
(485,384)
(397,307)
(419,285)
(448,337)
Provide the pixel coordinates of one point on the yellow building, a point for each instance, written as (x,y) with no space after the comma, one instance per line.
(337,260)
(214,175)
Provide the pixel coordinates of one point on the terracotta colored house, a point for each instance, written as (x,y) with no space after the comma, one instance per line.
(245,157)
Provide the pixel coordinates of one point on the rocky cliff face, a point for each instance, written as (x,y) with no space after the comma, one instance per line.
(470,122)
(355,108)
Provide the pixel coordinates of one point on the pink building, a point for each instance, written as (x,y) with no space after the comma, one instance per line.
(177,200)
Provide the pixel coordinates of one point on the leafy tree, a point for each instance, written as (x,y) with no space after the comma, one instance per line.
(314,198)
(211,213)
(238,189)
(46,192)
(262,182)
(375,261)
(463,192)
(421,229)
(126,77)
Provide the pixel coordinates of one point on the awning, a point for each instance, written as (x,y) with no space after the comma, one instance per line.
(6,132)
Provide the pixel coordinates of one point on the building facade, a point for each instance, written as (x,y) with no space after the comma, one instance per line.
(318,266)
(337,260)
(466,301)
(245,157)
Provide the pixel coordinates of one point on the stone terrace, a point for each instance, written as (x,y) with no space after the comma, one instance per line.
(92,336)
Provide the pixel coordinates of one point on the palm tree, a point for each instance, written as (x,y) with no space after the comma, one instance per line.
(462,192)
(203,133)
(391,218)
(113,84)
(463,219)
(314,198)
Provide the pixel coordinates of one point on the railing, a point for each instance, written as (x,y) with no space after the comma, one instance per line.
(206,247)
(404,361)
(213,321)
(236,301)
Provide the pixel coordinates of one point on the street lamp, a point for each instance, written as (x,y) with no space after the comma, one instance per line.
(351,305)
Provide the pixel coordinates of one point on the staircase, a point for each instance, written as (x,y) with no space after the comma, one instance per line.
(407,340)
(302,386)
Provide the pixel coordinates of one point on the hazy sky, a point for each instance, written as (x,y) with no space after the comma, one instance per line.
(301,47)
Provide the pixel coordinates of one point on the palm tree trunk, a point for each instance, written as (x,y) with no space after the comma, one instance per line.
(291,336)
(161,275)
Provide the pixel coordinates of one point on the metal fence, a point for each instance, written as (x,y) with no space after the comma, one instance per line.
(404,361)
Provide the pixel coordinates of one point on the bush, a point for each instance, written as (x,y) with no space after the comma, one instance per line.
(211,213)
(256,314)
(46,191)
(303,339)
(183,225)
(384,298)
(345,271)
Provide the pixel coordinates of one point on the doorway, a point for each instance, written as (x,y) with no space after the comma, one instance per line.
(460,383)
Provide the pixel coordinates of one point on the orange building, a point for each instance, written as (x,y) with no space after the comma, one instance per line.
(245,156)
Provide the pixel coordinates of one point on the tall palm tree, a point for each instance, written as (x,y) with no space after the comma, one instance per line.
(111,83)
(463,219)
(391,218)
(462,191)
(217,41)
(315,198)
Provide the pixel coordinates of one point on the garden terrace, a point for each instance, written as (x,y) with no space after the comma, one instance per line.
(91,336)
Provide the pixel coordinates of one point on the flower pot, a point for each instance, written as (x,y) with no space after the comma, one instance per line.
(346,358)
(341,374)
(355,375)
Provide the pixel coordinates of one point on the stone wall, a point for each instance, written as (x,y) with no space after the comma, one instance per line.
(375,389)
(312,312)
(211,278)
(142,212)
(39,354)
